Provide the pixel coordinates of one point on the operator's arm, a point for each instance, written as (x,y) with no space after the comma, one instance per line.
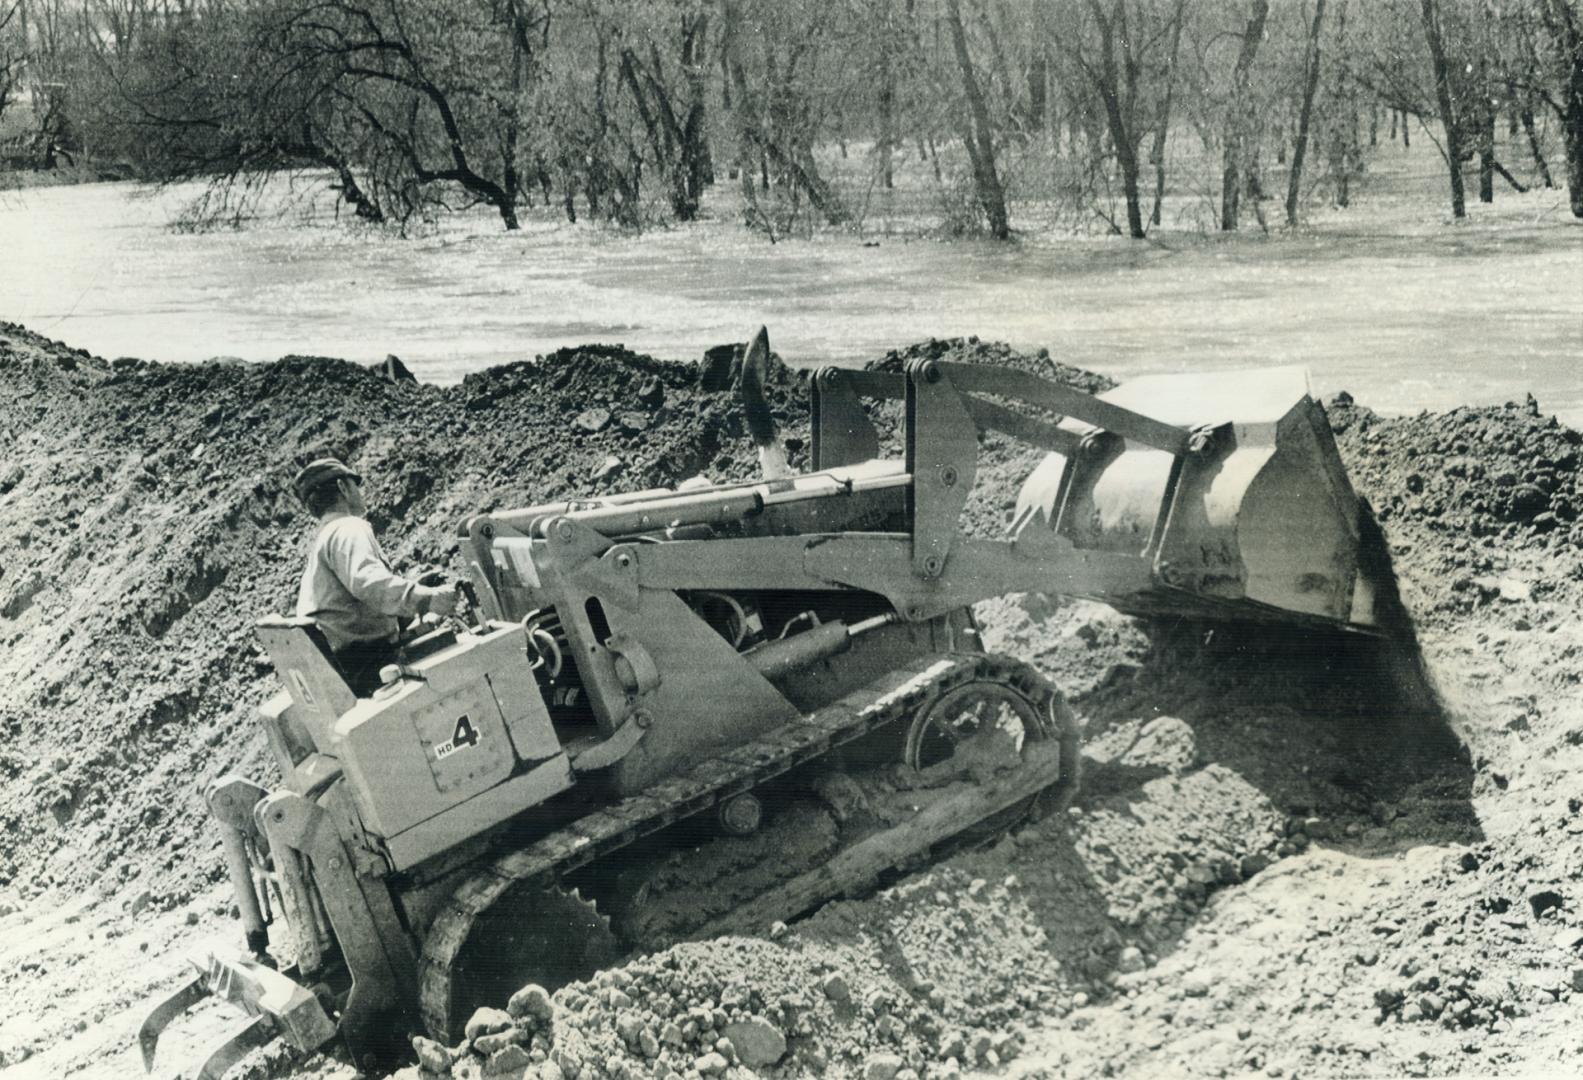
(355,557)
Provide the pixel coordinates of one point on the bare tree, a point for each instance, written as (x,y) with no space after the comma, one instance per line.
(1239,115)
(1305,113)
(1162,125)
(1114,79)
(1443,97)
(1561,19)
(977,135)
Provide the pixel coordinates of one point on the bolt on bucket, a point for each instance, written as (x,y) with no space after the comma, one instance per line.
(1257,521)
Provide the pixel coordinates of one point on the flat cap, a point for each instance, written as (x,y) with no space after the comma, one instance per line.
(319,472)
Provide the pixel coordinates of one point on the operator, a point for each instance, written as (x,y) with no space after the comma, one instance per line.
(348,587)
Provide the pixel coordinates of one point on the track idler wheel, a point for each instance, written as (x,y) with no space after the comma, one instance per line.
(978,731)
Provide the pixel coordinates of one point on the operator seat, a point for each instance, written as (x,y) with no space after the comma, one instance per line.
(302,658)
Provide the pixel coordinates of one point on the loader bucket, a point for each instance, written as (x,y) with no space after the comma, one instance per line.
(1256,522)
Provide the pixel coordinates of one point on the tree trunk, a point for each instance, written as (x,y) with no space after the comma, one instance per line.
(1108,82)
(1238,115)
(1162,127)
(977,135)
(1038,92)
(1448,118)
(1562,21)
(1407,138)
(1305,116)
(1486,148)
(1527,117)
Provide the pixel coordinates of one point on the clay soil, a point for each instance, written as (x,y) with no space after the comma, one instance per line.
(1293,855)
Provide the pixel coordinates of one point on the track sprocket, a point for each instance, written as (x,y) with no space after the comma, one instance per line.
(529,935)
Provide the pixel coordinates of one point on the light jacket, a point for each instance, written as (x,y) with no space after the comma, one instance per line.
(349,588)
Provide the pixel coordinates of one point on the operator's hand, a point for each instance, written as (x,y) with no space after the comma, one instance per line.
(439,601)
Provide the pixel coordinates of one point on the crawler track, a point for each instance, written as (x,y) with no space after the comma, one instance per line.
(885,703)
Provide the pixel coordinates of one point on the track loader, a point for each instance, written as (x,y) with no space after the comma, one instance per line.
(656,674)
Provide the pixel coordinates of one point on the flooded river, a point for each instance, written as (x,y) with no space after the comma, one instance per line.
(1405,316)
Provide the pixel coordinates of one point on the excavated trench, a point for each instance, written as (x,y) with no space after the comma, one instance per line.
(1242,879)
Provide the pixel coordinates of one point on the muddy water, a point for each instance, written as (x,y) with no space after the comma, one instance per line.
(1406,313)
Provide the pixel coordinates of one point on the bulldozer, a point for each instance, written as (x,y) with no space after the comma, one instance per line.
(650,674)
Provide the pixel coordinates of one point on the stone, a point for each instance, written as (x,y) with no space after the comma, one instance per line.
(432,1057)
(1513,591)
(648,1045)
(487,1045)
(607,468)
(757,1041)
(652,393)
(628,1025)
(532,1000)
(592,421)
(835,987)
(1130,960)
(1253,864)
(508,1059)
(711,1064)
(882,1067)
(671,1034)
(487,1021)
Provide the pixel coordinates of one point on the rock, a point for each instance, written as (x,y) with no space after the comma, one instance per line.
(671,1034)
(1130,960)
(607,468)
(652,393)
(508,1059)
(433,1057)
(648,1045)
(394,370)
(628,1026)
(1513,591)
(487,1021)
(882,1067)
(1528,501)
(1432,1004)
(835,987)
(532,1000)
(486,1045)
(757,1041)
(140,902)
(592,421)
(633,422)
(1250,865)
(711,1064)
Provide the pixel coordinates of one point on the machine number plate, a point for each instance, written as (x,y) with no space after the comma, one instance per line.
(464,736)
